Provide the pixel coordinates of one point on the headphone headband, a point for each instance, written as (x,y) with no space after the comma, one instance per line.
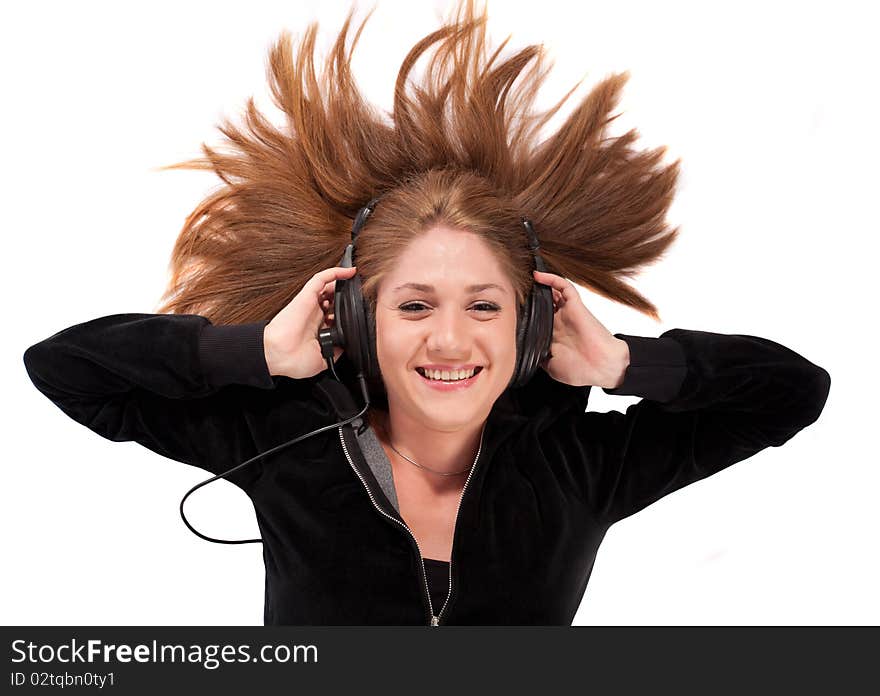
(361,217)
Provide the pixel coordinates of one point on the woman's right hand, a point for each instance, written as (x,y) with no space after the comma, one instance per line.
(290,340)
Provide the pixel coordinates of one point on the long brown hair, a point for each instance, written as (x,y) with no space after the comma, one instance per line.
(460,151)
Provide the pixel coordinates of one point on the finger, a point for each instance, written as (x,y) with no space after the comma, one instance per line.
(557,282)
(319,282)
(547,277)
(329,289)
(550,279)
(553,282)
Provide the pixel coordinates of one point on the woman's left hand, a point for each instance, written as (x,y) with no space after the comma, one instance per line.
(583,352)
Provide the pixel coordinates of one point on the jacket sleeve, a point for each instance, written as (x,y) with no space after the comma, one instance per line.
(709,400)
(176,384)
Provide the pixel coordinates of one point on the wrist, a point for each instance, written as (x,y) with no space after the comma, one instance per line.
(267,349)
(619,362)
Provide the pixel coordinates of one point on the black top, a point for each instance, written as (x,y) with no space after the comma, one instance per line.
(551,477)
(438,581)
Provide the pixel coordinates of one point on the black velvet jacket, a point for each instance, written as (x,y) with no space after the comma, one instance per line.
(549,481)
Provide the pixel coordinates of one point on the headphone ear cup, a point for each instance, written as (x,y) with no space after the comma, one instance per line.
(522,325)
(537,332)
(351,324)
(374,382)
(373,371)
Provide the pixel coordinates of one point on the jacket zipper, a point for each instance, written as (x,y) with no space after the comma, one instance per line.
(434,619)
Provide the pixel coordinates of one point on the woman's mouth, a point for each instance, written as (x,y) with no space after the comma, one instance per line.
(448,385)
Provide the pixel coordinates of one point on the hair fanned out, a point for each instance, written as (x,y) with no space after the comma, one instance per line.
(461,150)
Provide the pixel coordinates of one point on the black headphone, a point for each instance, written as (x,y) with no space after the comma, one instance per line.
(355,325)
(354,330)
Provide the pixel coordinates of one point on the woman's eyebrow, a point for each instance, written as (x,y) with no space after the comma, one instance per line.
(430,288)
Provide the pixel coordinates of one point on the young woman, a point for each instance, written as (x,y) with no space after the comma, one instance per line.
(473,488)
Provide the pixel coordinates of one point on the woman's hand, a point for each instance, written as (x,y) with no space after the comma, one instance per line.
(583,352)
(290,340)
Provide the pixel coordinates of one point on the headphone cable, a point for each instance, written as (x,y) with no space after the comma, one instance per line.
(366,396)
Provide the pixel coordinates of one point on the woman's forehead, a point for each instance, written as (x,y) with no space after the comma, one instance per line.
(444,261)
(412,286)
(446,242)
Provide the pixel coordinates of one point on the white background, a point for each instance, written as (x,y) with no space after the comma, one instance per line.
(772,107)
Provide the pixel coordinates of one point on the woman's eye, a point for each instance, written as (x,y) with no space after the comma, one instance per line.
(418,307)
(412,307)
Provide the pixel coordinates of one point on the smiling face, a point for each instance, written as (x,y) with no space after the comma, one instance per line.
(433,310)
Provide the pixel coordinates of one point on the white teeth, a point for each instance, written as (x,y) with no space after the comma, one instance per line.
(449,375)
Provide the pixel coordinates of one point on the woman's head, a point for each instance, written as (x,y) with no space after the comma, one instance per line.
(448,230)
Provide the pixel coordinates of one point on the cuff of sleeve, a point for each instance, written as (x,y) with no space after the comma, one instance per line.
(657,368)
(234,354)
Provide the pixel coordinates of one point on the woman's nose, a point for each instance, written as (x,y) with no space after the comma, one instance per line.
(448,333)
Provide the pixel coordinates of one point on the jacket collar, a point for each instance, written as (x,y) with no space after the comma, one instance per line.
(504,418)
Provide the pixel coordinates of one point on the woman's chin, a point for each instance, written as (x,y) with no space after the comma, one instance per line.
(441,417)
(444,408)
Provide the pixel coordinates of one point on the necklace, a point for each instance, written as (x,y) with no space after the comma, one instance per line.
(442,473)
